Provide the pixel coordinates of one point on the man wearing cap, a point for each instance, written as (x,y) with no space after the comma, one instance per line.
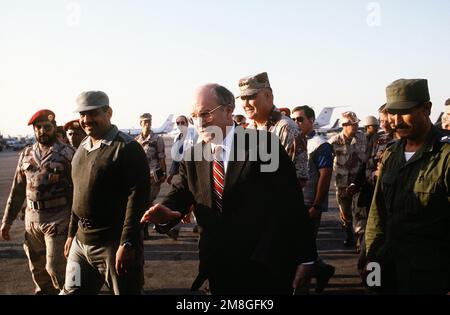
(75,134)
(371,126)
(111,191)
(257,97)
(42,179)
(408,230)
(349,149)
(368,173)
(153,146)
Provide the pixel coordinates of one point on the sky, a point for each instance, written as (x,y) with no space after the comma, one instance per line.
(150,56)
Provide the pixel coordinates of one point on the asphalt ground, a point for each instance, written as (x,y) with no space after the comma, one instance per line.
(171,266)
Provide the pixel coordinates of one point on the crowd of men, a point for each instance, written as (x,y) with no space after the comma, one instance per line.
(89,193)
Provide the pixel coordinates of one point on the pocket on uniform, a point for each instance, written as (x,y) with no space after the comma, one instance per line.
(424,190)
(26,166)
(388,181)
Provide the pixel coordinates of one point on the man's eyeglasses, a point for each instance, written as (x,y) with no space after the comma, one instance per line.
(298,119)
(46,127)
(182,123)
(204,116)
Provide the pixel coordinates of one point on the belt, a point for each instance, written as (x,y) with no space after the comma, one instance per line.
(46,204)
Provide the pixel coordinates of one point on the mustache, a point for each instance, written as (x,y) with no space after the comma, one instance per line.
(89,124)
(46,139)
(402,126)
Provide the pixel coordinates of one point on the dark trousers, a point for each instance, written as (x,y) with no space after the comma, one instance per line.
(247,278)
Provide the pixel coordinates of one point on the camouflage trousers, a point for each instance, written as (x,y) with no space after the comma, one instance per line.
(350,214)
(89,267)
(44,247)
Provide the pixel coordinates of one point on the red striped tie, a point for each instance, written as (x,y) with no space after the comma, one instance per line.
(219,182)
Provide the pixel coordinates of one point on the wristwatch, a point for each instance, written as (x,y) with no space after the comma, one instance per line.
(127,244)
(317,206)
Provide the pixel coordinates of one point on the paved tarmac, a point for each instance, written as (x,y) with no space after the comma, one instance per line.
(171,266)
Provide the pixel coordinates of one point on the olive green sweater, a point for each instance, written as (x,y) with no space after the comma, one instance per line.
(111,190)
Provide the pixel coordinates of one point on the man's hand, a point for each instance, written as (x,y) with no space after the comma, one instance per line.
(169,179)
(5,231)
(124,259)
(67,246)
(313,212)
(187,218)
(303,278)
(160,214)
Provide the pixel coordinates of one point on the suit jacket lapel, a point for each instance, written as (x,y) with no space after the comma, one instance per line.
(234,167)
(204,168)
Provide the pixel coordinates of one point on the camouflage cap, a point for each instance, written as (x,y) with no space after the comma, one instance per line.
(349,118)
(73,124)
(371,121)
(405,94)
(145,116)
(42,115)
(91,100)
(251,85)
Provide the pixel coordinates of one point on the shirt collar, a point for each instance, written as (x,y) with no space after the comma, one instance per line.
(107,139)
(311,134)
(227,141)
(144,139)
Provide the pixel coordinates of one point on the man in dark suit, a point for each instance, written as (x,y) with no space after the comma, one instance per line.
(256,237)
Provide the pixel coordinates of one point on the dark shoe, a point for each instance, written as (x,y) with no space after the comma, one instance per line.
(173,234)
(323,276)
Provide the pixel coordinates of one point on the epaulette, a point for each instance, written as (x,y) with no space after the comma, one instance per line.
(126,138)
(274,117)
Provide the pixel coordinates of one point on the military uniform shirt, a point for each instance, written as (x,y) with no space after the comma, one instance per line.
(153,146)
(409,219)
(349,154)
(291,139)
(42,178)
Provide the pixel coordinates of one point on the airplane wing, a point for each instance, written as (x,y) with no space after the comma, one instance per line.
(323,119)
(166,127)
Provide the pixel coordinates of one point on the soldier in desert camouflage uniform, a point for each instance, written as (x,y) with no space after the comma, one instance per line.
(153,146)
(43,179)
(349,150)
(257,97)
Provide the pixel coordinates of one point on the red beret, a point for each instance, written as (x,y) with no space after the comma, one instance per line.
(42,115)
(285,109)
(73,124)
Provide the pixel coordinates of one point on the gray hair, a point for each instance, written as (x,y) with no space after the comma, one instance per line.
(223,95)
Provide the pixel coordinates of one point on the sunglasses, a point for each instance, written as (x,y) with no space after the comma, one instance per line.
(298,119)
(183,123)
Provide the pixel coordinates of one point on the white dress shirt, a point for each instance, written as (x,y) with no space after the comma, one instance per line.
(226,146)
